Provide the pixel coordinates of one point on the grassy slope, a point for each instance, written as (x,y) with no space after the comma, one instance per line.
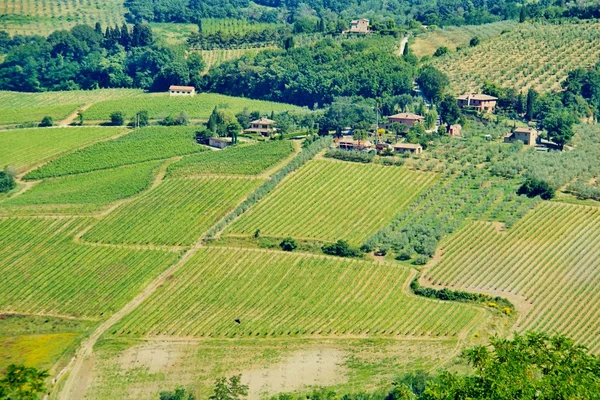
(331,200)
(160,105)
(23,148)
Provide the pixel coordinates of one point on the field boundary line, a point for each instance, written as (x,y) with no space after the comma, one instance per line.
(71,117)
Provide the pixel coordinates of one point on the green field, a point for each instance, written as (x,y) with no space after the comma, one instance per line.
(275,294)
(34,17)
(550,259)
(160,105)
(177,212)
(17,108)
(531,55)
(238,160)
(330,200)
(23,148)
(45,272)
(145,144)
(98,187)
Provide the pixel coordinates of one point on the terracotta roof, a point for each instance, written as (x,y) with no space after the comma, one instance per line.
(354,21)
(412,116)
(263,121)
(525,130)
(407,146)
(184,88)
(476,96)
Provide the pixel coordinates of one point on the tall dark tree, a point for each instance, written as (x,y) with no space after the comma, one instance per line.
(125,39)
(141,35)
(432,82)
(559,125)
(523,14)
(531,103)
(449,111)
(98,28)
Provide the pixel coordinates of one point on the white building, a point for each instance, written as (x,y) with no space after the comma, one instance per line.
(175,90)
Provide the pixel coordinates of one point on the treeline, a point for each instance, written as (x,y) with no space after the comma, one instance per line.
(309,76)
(237,40)
(90,58)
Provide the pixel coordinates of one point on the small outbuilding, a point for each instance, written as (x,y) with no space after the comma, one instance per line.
(454,130)
(529,136)
(219,142)
(411,148)
(175,90)
(264,126)
(408,119)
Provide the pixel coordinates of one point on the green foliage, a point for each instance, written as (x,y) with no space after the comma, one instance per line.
(534,187)
(151,143)
(231,389)
(117,118)
(441,51)
(242,159)
(474,41)
(449,110)
(559,125)
(457,295)
(288,244)
(341,248)
(350,155)
(22,383)
(7,182)
(46,121)
(177,394)
(142,118)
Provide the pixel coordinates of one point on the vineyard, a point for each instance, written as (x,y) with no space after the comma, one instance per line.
(238,160)
(531,55)
(17,108)
(145,144)
(35,17)
(200,106)
(176,212)
(275,294)
(50,274)
(212,58)
(456,36)
(22,148)
(550,258)
(328,201)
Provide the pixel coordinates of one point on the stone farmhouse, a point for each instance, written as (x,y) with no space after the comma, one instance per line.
(359,26)
(348,143)
(264,126)
(529,136)
(407,119)
(479,102)
(175,90)
(408,148)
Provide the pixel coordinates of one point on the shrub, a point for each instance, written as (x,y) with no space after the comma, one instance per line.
(142,118)
(117,118)
(47,121)
(420,259)
(7,182)
(474,41)
(403,256)
(288,244)
(355,156)
(440,51)
(535,187)
(341,248)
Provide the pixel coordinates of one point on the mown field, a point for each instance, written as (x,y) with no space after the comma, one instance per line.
(456,36)
(160,105)
(45,272)
(35,17)
(551,258)
(18,108)
(531,55)
(328,200)
(23,148)
(276,294)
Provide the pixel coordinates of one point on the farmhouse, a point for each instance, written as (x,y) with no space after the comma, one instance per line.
(526,135)
(219,142)
(407,119)
(264,126)
(348,143)
(175,90)
(359,26)
(408,148)
(479,102)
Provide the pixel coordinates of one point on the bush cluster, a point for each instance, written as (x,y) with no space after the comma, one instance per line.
(457,295)
(348,155)
(341,248)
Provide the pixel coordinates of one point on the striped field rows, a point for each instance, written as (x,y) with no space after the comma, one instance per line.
(275,294)
(551,257)
(330,200)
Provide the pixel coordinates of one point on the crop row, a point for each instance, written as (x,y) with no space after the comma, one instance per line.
(238,160)
(176,212)
(145,144)
(43,271)
(550,257)
(225,292)
(530,55)
(330,200)
(212,58)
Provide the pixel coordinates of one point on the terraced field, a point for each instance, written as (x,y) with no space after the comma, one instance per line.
(276,294)
(160,105)
(454,36)
(23,148)
(238,160)
(531,55)
(177,212)
(551,258)
(45,272)
(35,17)
(329,200)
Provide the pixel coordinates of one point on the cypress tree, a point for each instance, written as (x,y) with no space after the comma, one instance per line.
(523,14)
